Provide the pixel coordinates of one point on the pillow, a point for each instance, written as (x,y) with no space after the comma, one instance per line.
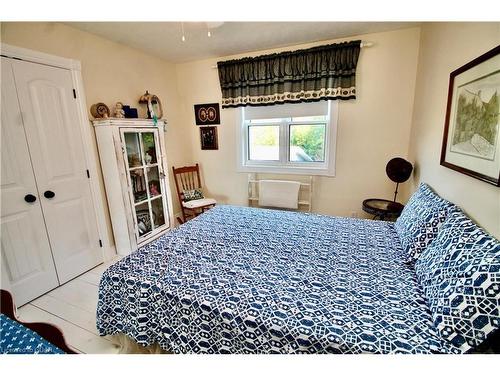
(420,220)
(460,277)
(191,195)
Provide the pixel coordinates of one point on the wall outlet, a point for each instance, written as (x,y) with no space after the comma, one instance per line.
(354,214)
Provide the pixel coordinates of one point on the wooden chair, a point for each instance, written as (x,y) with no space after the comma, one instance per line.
(188,178)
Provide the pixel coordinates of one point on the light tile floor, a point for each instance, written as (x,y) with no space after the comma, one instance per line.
(72,308)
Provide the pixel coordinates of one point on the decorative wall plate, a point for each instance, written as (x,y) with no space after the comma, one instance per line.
(99,110)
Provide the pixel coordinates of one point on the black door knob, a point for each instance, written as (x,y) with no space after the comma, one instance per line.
(49,194)
(30,198)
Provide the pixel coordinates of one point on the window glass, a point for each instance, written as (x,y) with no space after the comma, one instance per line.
(158,215)
(154,182)
(307,143)
(132,145)
(263,142)
(148,140)
(143,219)
(138,184)
(298,138)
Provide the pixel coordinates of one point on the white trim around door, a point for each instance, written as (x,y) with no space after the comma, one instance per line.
(91,155)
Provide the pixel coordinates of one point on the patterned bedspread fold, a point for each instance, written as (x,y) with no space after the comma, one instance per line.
(247,280)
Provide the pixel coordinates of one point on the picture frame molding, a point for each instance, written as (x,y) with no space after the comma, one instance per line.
(484,57)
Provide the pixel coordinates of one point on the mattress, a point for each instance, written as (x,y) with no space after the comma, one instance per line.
(249,280)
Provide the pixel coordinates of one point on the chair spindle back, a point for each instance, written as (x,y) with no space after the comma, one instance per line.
(186,178)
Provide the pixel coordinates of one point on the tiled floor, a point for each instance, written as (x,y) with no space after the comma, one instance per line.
(72,308)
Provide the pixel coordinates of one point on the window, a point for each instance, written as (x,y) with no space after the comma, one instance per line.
(290,138)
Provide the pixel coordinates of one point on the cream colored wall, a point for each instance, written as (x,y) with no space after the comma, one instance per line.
(111,72)
(371,129)
(445,47)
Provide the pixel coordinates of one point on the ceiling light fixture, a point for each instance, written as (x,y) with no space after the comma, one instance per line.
(211,26)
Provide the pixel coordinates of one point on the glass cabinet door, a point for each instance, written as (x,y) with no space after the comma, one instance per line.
(146,177)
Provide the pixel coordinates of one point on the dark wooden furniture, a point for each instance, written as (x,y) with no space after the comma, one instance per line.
(382,208)
(188,178)
(48,331)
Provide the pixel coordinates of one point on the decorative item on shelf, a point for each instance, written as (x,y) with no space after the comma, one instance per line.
(398,170)
(154,187)
(99,110)
(130,112)
(119,112)
(207,114)
(208,138)
(471,142)
(157,108)
(153,105)
(143,221)
(134,161)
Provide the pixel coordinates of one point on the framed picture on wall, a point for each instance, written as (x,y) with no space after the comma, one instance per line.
(207,114)
(208,138)
(471,140)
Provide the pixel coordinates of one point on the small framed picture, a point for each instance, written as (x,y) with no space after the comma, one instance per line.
(208,138)
(207,114)
(471,139)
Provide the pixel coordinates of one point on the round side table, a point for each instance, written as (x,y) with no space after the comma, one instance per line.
(382,208)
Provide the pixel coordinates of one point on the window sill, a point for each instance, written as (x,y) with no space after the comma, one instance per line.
(286,170)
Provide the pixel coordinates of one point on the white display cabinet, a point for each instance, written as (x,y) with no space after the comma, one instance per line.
(135,172)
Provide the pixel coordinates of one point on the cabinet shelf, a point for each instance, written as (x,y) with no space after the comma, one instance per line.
(142,167)
(148,199)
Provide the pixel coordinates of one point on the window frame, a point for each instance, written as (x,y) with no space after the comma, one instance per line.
(284,165)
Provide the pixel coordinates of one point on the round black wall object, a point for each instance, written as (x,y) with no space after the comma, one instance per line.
(398,170)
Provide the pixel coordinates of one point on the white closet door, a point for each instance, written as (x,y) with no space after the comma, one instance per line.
(50,112)
(26,256)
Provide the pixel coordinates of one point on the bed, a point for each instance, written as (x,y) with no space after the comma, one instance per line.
(249,280)
(18,337)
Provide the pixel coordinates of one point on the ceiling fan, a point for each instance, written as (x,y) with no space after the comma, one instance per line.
(210,26)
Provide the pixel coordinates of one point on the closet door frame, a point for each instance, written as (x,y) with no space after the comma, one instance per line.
(90,152)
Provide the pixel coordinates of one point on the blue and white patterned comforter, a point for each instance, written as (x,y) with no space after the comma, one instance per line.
(18,339)
(247,280)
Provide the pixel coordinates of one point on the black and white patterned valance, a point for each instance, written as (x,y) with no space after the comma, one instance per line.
(318,73)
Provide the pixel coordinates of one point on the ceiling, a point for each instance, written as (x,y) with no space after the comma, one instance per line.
(163,39)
